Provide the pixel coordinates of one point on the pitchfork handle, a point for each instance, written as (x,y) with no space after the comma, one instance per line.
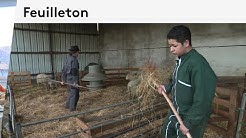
(175,112)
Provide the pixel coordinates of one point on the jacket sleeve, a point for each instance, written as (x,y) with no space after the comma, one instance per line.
(203,82)
(64,71)
(75,71)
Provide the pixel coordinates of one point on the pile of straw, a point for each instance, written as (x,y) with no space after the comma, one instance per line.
(151,77)
(35,104)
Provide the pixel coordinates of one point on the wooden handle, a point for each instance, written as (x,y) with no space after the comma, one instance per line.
(188,135)
(68,84)
(175,112)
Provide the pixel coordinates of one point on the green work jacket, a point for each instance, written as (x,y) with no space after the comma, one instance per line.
(193,88)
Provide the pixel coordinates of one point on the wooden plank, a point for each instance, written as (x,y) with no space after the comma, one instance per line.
(231,129)
(26,80)
(217,128)
(230,79)
(23,73)
(223,91)
(113,69)
(221,102)
(83,126)
(218,119)
(115,78)
(221,113)
(20,84)
(231,102)
(24,76)
(115,73)
(120,78)
(22,81)
(116,82)
(232,113)
(19,79)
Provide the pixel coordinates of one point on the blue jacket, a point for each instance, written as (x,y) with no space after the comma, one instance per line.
(70,71)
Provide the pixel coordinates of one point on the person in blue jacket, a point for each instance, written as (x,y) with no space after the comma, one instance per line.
(70,74)
(192,87)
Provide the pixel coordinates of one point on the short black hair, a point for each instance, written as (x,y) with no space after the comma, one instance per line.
(180,33)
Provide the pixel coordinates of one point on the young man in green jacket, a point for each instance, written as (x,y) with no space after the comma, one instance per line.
(193,87)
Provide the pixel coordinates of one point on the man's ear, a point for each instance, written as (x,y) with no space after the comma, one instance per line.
(186,43)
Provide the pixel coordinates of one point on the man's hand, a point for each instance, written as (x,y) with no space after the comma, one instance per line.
(75,85)
(161,88)
(183,129)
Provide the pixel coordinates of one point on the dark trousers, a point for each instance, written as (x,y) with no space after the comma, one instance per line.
(170,130)
(73,98)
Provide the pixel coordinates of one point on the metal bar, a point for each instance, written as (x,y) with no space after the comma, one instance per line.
(59,32)
(109,122)
(169,47)
(18,132)
(139,116)
(12,110)
(132,128)
(129,129)
(53,52)
(241,114)
(148,131)
(245,81)
(72,115)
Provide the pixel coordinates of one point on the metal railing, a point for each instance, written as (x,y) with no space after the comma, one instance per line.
(241,115)
(16,127)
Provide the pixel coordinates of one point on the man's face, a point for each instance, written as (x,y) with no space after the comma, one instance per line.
(76,53)
(177,48)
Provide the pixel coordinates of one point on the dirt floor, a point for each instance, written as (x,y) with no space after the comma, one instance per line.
(36,103)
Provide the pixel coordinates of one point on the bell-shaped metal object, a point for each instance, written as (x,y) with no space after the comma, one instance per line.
(95,77)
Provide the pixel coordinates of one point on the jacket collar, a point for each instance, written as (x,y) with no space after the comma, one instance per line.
(186,55)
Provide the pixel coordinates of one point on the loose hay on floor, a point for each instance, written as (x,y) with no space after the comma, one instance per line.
(35,104)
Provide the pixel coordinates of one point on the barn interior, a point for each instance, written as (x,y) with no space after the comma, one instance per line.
(36,110)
